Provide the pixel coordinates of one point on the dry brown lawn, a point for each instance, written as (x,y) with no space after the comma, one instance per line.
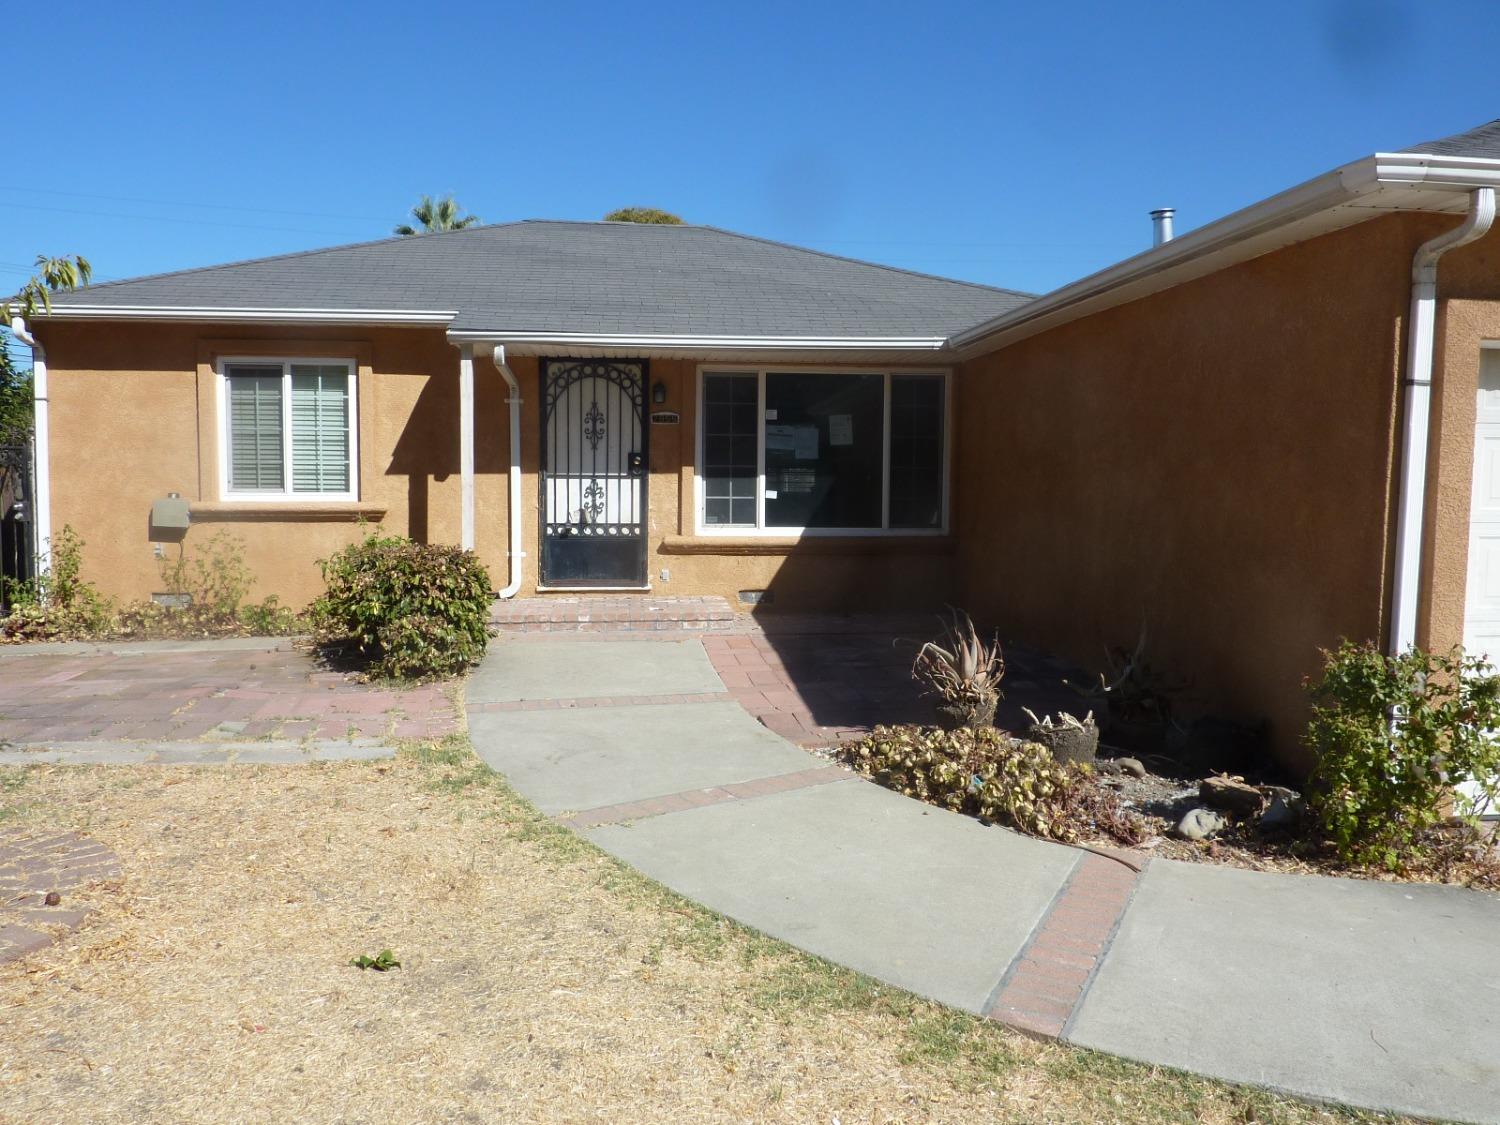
(540,980)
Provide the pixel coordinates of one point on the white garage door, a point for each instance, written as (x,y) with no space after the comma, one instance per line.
(1482,600)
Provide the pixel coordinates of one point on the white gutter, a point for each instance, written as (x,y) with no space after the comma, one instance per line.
(736,343)
(1420,343)
(513,507)
(41,487)
(1252,230)
(249,315)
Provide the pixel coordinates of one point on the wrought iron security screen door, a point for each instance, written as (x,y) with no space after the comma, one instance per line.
(593,472)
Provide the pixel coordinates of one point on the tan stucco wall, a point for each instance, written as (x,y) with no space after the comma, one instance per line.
(1468,315)
(134,416)
(1214,460)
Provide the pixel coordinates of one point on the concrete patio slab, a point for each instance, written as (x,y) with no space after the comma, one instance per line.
(566,761)
(918,897)
(516,670)
(1381,995)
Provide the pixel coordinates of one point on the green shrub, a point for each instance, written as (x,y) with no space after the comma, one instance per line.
(1393,737)
(61,605)
(58,604)
(985,773)
(214,579)
(410,610)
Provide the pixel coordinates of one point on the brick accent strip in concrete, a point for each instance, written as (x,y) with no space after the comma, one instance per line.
(699,798)
(1046,983)
(600,701)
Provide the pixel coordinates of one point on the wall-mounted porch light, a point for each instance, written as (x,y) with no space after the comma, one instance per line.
(658,392)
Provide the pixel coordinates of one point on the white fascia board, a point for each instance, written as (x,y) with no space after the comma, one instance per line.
(247,315)
(1245,234)
(714,343)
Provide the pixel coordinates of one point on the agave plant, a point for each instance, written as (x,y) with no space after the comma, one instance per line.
(963,670)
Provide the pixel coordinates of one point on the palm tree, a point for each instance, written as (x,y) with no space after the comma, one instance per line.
(53,275)
(435,215)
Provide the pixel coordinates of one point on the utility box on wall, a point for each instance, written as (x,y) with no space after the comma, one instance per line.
(169,519)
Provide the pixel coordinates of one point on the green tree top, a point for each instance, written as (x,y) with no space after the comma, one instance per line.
(436,215)
(52,276)
(642,215)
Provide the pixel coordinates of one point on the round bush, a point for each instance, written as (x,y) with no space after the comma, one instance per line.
(410,610)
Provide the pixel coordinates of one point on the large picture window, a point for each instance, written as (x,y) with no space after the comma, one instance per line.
(289,429)
(790,451)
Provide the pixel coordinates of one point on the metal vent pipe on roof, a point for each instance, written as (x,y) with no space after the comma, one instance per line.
(1161,225)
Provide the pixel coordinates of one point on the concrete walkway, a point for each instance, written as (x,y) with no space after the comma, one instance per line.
(1383,996)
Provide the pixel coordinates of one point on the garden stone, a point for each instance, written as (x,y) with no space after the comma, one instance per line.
(1231,795)
(1201,824)
(1283,814)
(1132,766)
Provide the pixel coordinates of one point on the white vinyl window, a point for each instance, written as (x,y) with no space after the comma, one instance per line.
(822,452)
(290,429)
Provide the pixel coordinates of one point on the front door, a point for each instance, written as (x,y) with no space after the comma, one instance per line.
(593,502)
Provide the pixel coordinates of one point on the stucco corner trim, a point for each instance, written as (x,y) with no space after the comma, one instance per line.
(250,512)
(808,545)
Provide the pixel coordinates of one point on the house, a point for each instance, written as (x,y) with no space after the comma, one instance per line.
(1254,438)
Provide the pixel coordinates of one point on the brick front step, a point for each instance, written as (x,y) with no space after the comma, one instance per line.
(611,613)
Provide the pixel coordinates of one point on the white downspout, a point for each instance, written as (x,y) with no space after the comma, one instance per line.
(513,508)
(41,501)
(1406,582)
(466,445)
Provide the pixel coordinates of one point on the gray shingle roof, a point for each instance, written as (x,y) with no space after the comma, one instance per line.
(1483,141)
(545,276)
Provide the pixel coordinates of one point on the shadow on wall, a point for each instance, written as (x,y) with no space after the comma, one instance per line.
(427,450)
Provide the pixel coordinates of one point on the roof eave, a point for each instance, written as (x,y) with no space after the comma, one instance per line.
(1248,233)
(234,315)
(743,349)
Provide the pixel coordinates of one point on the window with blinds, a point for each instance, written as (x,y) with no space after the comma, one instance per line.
(320,428)
(289,428)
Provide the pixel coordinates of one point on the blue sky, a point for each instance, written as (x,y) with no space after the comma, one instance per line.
(1014,144)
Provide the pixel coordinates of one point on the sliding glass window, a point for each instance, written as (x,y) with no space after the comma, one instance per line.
(787,451)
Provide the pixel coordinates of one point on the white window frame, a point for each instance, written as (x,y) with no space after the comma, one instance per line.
(702,528)
(286,495)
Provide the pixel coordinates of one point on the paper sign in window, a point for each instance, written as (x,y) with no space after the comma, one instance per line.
(781,437)
(840,430)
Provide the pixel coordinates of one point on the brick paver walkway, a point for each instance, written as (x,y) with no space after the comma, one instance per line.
(201,692)
(815,684)
(611,613)
(33,865)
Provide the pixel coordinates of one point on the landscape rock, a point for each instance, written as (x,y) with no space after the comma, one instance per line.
(1231,795)
(1201,824)
(1282,814)
(1132,766)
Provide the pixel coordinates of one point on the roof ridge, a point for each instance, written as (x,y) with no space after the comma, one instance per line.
(291,255)
(873,265)
(793,246)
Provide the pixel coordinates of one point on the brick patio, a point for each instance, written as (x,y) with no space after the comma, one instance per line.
(818,681)
(32,864)
(201,691)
